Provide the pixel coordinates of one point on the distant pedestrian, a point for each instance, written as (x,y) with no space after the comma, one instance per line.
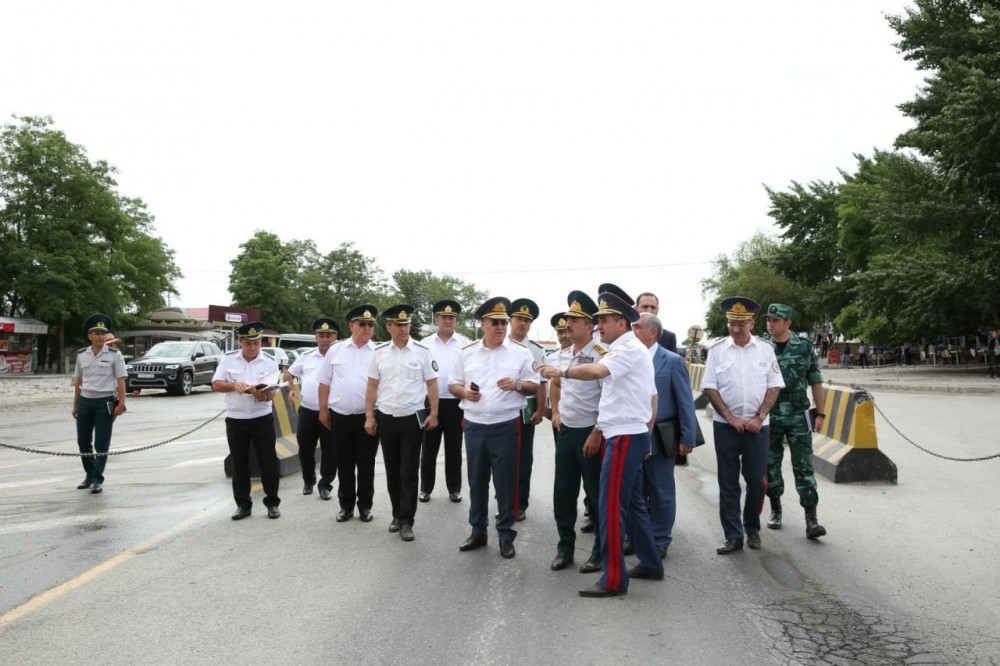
(863,354)
(993,353)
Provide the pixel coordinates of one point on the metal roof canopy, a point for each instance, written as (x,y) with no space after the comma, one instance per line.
(23,325)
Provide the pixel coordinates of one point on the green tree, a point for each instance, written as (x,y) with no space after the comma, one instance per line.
(958,43)
(751,272)
(70,244)
(422,290)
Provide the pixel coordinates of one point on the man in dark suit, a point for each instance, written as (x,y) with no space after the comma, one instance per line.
(648,302)
(674,402)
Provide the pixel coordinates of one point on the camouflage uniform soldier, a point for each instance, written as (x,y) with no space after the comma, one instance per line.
(789,418)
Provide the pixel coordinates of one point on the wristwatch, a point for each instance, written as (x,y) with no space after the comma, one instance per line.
(517,385)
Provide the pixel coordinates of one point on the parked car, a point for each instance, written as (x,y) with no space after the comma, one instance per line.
(280,355)
(177,366)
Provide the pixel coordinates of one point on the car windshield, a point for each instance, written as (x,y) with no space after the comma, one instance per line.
(170,349)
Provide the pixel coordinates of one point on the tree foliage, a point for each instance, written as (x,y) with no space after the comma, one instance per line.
(70,244)
(292,284)
(908,244)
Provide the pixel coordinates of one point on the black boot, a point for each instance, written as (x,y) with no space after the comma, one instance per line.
(813,529)
(774,522)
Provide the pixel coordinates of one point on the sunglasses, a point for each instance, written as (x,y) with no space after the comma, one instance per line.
(497,322)
(365,324)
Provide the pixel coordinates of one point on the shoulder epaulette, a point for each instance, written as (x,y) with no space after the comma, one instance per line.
(470,344)
(421,345)
(536,344)
(599,349)
(518,343)
(230,353)
(81,350)
(379,345)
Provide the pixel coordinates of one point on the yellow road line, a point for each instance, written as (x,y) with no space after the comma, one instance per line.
(51,595)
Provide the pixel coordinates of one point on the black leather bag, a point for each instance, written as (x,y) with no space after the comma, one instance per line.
(668,435)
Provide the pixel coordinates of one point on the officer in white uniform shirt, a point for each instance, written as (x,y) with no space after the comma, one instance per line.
(742,381)
(625,417)
(444,345)
(402,377)
(523,312)
(493,378)
(250,418)
(309,430)
(574,414)
(343,383)
(100,373)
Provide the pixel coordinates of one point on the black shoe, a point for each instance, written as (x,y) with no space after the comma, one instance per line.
(424,497)
(520,517)
(731,546)
(753,541)
(592,565)
(406,532)
(813,529)
(324,493)
(98,488)
(308,489)
(588,527)
(455,497)
(394,525)
(365,515)
(561,561)
(628,548)
(506,549)
(84,484)
(344,515)
(273,512)
(662,551)
(636,572)
(600,592)
(241,513)
(473,542)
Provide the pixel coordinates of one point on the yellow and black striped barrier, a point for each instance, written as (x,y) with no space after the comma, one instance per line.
(696,372)
(286,423)
(847,449)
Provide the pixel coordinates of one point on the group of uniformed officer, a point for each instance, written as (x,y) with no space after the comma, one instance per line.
(607,394)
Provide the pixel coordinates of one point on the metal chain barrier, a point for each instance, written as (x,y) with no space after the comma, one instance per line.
(111,453)
(910,441)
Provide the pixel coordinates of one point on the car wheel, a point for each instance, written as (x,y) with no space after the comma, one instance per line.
(187,383)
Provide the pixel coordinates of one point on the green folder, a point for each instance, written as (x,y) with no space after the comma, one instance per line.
(529,410)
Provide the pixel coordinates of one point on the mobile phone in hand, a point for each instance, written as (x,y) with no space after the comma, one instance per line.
(474,386)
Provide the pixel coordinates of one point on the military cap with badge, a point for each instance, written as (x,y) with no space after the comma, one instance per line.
(447,308)
(558,321)
(524,307)
(253,330)
(497,307)
(365,312)
(399,314)
(326,325)
(97,323)
(580,305)
(779,311)
(740,308)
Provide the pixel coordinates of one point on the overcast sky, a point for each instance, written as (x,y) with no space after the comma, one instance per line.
(530,148)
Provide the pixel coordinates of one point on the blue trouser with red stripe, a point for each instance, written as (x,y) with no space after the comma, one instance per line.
(622,503)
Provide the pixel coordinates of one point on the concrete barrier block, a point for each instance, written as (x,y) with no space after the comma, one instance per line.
(847,450)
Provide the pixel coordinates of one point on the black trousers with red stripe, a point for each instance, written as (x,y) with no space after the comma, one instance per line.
(621,502)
